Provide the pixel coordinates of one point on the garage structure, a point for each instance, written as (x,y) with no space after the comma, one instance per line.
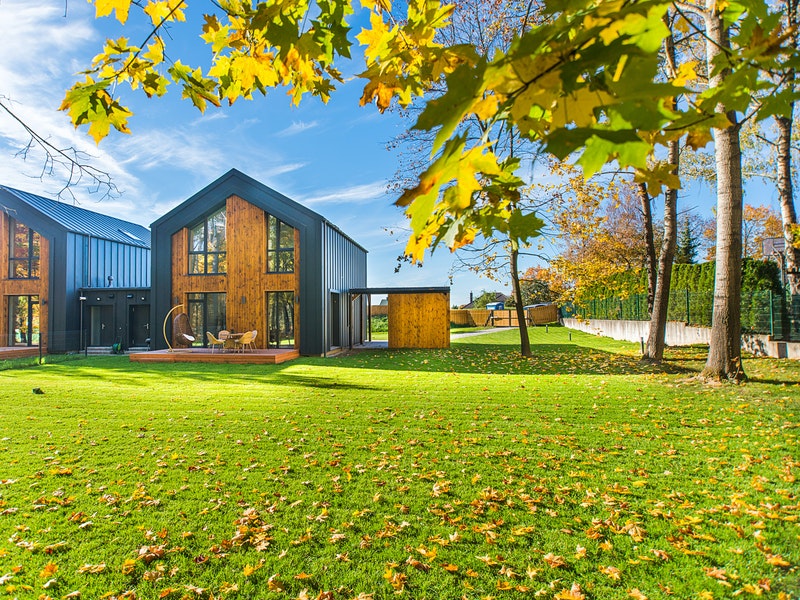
(419,317)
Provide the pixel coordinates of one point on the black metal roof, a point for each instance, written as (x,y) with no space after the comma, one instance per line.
(85,222)
(397,290)
(251,190)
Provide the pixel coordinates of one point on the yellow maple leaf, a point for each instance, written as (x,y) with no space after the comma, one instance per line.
(164,10)
(776,560)
(274,584)
(48,571)
(686,72)
(92,569)
(573,593)
(554,561)
(128,566)
(103,8)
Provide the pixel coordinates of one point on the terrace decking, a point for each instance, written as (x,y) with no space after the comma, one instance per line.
(205,355)
(12,352)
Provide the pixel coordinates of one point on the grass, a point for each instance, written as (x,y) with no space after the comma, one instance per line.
(467,472)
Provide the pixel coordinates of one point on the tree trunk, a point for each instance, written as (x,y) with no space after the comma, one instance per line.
(650,247)
(786,195)
(524,340)
(656,339)
(725,351)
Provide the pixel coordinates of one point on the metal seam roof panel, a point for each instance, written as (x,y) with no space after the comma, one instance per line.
(85,222)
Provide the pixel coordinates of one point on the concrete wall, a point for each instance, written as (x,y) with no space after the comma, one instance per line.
(680,334)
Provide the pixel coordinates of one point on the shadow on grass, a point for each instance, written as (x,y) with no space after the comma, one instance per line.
(120,371)
(499,358)
(556,351)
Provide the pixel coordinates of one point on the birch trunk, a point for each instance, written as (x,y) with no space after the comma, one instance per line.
(650,248)
(788,213)
(656,339)
(725,351)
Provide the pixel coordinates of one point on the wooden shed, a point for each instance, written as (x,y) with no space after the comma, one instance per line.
(418,317)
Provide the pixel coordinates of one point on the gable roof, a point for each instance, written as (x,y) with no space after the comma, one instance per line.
(234,182)
(82,221)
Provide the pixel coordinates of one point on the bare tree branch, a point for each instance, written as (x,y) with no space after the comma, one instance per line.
(74,163)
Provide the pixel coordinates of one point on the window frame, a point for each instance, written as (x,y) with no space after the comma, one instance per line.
(276,257)
(281,299)
(32,261)
(201,304)
(220,258)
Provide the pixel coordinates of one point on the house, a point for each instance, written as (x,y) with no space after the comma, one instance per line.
(239,256)
(490,297)
(52,255)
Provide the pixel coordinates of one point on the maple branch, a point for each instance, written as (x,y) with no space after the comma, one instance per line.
(143,45)
(71,159)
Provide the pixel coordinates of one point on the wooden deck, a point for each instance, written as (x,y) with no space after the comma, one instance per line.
(204,355)
(12,352)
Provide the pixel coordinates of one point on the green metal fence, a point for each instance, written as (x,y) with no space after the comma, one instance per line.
(762,312)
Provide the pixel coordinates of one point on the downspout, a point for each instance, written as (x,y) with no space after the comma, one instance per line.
(325,293)
(88,280)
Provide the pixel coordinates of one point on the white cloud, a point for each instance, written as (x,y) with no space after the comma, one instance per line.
(40,49)
(356,194)
(181,149)
(297,127)
(281,169)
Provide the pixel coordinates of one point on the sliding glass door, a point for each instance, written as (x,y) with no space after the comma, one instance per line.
(24,316)
(280,320)
(206,313)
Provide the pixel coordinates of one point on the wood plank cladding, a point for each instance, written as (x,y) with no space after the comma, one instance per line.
(23,287)
(247,282)
(419,320)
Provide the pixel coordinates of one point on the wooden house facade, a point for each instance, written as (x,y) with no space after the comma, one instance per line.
(239,256)
(49,253)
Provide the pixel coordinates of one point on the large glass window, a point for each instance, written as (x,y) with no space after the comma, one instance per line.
(206,313)
(207,245)
(24,315)
(280,319)
(280,246)
(24,251)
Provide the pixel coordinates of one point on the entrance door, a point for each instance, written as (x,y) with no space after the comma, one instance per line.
(280,320)
(24,316)
(139,326)
(101,325)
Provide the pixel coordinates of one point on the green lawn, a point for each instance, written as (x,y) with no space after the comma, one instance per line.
(467,472)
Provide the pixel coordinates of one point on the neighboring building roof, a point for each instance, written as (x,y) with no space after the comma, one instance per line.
(498,297)
(85,222)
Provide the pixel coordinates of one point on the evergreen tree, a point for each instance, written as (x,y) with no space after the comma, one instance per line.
(686,252)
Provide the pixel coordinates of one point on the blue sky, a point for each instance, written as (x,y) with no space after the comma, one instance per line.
(333,158)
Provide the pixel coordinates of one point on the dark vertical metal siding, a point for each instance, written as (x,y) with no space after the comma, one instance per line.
(128,265)
(86,262)
(346,267)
